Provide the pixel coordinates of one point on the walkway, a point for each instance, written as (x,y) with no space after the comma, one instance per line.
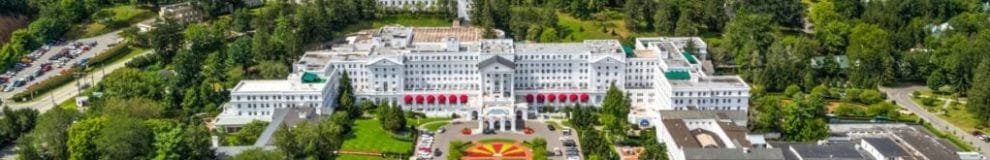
(442,140)
(902,95)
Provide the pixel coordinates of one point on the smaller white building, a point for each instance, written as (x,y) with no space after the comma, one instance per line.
(884,149)
(257,99)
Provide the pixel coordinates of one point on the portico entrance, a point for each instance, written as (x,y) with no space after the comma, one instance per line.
(502,118)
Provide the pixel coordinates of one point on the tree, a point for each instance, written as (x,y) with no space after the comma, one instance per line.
(137,108)
(247,134)
(166,39)
(870,56)
(665,17)
(285,139)
(549,35)
(196,143)
(272,70)
(979,95)
(128,83)
(791,90)
(787,13)
(123,138)
(82,134)
(748,37)
(50,135)
(615,110)
(654,149)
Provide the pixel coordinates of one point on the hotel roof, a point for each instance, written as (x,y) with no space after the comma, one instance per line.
(887,147)
(276,86)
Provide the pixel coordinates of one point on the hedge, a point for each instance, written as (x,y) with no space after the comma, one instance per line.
(109,54)
(46,85)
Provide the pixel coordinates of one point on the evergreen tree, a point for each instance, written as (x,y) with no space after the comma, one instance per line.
(979,94)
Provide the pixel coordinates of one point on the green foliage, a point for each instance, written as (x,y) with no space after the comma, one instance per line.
(14,123)
(539,148)
(454,151)
(654,149)
(787,13)
(49,137)
(871,96)
(615,110)
(791,90)
(247,134)
(258,154)
(82,134)
(870,48)
(272,70)
(137,108)
(979,95)
(123,138)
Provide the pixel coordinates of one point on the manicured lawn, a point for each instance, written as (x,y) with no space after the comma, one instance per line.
(127,14)
(352,157)
(435,126)
(419,121)
(368,135)
(576,30)
(958,116)
(68,104)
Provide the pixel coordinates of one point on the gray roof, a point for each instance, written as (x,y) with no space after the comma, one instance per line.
(928,145)
(497,59)
(887,147)
(838,151)
(733,154)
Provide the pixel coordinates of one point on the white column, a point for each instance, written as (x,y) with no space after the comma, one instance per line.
(491,124)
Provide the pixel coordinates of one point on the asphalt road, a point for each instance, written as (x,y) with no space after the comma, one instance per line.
(902,95)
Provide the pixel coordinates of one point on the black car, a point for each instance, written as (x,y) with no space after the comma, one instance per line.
(569,143)
(551,128)
(436,152)
(488,131)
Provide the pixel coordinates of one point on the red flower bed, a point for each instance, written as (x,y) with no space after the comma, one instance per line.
(466,131)
(528,130)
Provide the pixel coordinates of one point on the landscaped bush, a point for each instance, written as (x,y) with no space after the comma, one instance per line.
(142,61)
(870,97)
(109,54)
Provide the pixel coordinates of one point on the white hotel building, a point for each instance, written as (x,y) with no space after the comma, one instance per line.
(445,71)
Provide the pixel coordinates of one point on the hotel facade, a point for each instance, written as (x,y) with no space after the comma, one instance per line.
(446,71)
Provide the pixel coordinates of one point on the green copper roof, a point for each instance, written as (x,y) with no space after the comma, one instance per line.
(677,75)
(308,77)
(690,57)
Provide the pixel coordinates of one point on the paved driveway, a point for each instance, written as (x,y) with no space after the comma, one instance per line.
(902,95)
(442,140)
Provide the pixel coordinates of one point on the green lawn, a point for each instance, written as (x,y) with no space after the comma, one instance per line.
(352,157)
(419,121)
(952,139)
(435,126)
(576,30)
(958,116)
(368,135)
(125,14)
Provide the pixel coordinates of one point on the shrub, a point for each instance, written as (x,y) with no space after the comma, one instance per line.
(851,95)
(142,61)
(791,90)
(109,54)
(870,96)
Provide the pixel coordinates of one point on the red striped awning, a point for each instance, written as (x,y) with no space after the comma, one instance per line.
(551,98)
(562,97)
(529,98)
(539,98)
(574,97)
(584,97)
(430,99)
(452,98)
(464,98)
(442,99)
(409,99)
(419,99)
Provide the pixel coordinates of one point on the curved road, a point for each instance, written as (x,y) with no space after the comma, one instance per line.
(902,95)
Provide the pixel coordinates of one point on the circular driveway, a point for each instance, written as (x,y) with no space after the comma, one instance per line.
(442,140)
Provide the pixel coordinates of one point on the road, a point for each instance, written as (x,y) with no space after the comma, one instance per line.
(902,95)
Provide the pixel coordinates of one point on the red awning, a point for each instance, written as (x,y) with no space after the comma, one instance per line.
(419,99)
(409,99)
(574,97)
(442,99)
(539,98)
(562,97)
(430,98)
(464,98)
(584,97)
(453,98)
(529,98)
(551,98)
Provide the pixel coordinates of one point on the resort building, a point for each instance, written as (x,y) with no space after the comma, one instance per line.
(445,71)
(712,135)
(182,13)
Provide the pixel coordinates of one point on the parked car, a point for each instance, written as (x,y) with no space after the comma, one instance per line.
(551,127)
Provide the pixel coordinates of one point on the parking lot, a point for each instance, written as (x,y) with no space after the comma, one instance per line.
(51,59)
(555,139)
